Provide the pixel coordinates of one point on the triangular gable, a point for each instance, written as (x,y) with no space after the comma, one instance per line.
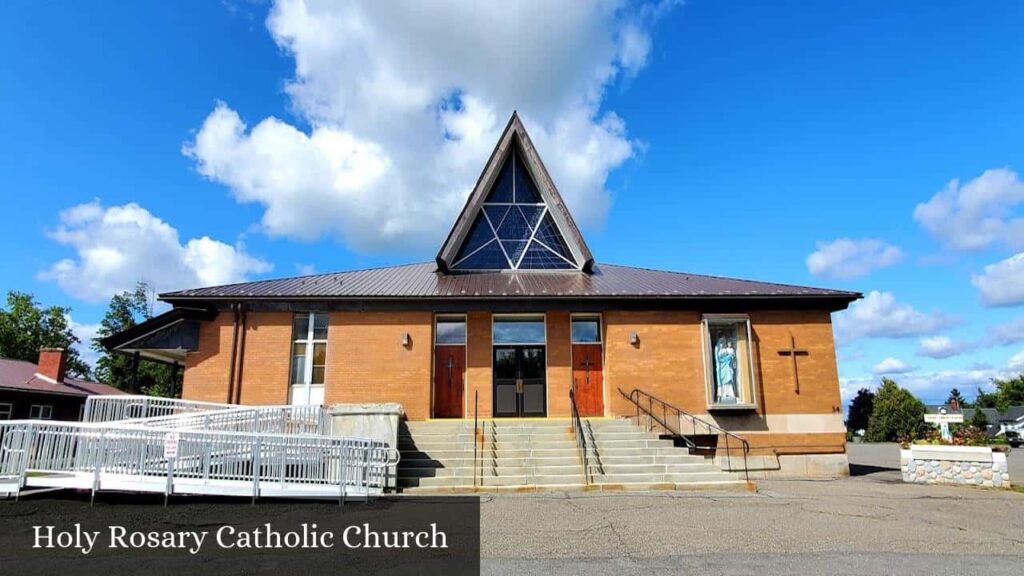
(515,218)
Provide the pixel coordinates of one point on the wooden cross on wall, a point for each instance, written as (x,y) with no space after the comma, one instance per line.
(793,352)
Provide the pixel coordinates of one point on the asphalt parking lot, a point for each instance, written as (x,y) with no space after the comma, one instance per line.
(870,523)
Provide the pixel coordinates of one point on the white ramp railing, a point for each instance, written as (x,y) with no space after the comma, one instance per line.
(128,407)
(115,456)
(256,419)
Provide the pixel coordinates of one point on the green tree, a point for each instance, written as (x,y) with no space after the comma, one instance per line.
(860,410)
(25,327)
(1010,392)
(897,413)
(955,394)
(979,420)
(126,310)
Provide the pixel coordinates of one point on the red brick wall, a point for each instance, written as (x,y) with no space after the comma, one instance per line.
(206,371)
(479,356)
(366,361)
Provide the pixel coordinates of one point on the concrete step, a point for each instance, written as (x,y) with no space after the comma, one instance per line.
(614,469)
(467,481)
(710,476)
(644,458)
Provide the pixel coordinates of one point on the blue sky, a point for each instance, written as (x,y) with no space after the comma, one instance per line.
(196,142)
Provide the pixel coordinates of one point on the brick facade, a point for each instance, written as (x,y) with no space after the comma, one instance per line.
(367,362)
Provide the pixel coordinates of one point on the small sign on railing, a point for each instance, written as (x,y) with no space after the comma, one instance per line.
(171,444)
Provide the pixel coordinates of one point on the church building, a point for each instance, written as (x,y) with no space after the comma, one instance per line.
(512,314)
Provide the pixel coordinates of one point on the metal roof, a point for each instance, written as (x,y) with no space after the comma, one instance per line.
(424,280)
(23,376)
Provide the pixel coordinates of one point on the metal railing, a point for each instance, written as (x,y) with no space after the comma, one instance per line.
(581,437)
(128,407)
(99,456)
(674,426)
(257,419)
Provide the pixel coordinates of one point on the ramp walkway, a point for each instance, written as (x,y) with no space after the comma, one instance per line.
(144,444)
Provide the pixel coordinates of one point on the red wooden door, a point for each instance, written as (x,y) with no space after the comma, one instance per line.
(449,377)
(588,378)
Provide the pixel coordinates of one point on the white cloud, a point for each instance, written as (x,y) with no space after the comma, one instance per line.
(892,366)
(1002,283)
(977,214)
(1010,333)
(847,258)
(1016,362)
(879,315)
(118,246)
(405,101)
(85,333)
(941,347)
(305,269)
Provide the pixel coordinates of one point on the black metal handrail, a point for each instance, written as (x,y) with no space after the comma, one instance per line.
(655,404)
(581,437)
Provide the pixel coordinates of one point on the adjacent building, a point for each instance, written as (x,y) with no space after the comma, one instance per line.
(513,313)
(44,391)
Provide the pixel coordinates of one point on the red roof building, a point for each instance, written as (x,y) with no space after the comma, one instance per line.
(44,391)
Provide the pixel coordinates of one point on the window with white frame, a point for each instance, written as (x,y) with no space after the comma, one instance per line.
(5,411)
(41,412)
(728,361)
(309,358)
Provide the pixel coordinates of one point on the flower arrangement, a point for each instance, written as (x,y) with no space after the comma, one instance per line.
(962,436)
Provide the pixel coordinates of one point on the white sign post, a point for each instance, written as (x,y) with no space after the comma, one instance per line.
(943,418)
(171,455)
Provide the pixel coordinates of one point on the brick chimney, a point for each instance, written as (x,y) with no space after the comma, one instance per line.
(53,363)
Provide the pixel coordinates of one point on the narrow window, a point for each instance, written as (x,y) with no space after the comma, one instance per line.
(309,358)
(450,330)
(728,362)
(586,330)
(41,412)
(5,411)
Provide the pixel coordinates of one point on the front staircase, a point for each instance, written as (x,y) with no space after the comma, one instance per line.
(522,455)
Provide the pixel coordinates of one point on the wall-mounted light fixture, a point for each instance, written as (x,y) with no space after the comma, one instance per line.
(406,339)
(634,338)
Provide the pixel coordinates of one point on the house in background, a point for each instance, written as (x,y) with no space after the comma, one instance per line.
(1000,422)
(43,391)
(513,314)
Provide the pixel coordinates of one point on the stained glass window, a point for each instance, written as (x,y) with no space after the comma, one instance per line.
(514,230)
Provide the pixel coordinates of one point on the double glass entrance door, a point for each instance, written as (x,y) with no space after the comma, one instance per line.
(520,387)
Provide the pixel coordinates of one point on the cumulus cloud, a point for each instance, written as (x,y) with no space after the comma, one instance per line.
(1002,283)
(1009,333)
(977,214)
(941,347)
(118,246)
(879,315)
(892,366)
(404,101)
(85,333)
(1016,362)
(847,258)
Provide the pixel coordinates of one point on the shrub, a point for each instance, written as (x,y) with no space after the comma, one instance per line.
(896,414)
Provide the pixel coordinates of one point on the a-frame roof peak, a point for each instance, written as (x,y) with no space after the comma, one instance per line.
(514,219)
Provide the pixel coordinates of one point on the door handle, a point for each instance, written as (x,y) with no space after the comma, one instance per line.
(519,385)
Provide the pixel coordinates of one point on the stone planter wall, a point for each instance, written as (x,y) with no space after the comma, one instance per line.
(968,465)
